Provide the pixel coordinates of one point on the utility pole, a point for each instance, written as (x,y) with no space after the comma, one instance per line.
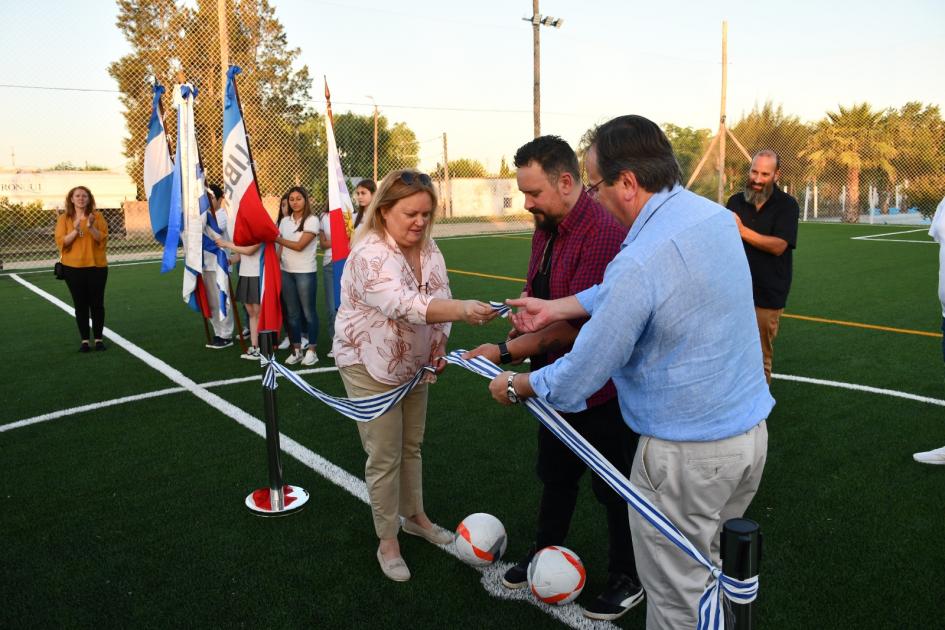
(375,134)
(722,127)
(537,21)
(224,47)
(723,132)
(448,196)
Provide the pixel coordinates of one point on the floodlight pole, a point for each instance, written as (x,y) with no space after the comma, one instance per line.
(375,135)
(537,21)
(278,499)
(741,559)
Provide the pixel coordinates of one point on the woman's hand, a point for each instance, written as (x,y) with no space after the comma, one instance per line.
(91,219)
(477,313)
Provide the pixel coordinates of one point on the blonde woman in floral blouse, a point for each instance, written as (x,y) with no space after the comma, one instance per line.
(394,318)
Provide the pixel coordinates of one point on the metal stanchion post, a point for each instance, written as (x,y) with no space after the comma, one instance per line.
(741,557)
(278,499)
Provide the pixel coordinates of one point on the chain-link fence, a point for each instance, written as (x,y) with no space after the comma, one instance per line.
(857,164)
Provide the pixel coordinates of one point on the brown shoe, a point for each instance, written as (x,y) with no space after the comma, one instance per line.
(436,534)
(395,569)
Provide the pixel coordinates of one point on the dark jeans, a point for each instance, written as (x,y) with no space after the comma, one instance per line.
(87,286)
(299,291)
(559,470)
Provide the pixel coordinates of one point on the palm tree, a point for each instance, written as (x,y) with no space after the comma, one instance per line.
(856,139)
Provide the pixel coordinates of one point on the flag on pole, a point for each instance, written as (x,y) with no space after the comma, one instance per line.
(340,208)
(221,277)
(192,197)
(158,169)
(252,224)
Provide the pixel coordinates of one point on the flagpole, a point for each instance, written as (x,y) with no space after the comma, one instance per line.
(278,499)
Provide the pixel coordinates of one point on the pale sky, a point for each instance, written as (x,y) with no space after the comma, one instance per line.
(431,64)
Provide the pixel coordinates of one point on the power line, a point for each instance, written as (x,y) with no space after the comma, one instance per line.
(55,88)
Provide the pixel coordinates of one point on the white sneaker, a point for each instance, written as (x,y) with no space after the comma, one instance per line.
(252,354)
(931,457)
(331,354)
(310,357)
(294,358)
(285,344)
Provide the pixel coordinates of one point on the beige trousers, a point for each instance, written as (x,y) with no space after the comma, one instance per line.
(698,486)
(393,471)
(768,321)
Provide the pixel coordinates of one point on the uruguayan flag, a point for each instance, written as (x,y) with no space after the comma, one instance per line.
(158,170)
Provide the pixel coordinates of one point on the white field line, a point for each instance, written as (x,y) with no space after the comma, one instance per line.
(878,237)
(570,615)
(135,398)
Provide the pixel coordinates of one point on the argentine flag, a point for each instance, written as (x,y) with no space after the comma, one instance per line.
(158,169)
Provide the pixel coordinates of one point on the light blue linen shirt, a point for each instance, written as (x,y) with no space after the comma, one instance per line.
(673,323)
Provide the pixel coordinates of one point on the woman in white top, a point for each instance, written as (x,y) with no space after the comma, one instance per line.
(297,234)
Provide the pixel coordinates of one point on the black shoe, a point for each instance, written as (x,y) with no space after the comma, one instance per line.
(219,343)
(100,346)
(84,346)
(517,576)
(620,595)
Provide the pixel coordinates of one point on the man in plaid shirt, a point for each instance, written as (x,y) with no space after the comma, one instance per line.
(574,240)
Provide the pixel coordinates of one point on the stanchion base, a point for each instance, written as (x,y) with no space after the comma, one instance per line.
(259,502)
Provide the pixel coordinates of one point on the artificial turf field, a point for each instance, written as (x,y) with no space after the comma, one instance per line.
(132,515)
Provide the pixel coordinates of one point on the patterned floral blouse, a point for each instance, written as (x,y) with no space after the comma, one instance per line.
(381,321)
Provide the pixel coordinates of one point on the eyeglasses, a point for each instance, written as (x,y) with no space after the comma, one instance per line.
(410,178)
(593,190)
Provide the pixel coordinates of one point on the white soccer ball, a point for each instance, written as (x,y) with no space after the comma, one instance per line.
(480,539)
(556,575)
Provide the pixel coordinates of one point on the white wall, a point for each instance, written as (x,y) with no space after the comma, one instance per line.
(479,197)
(50,187)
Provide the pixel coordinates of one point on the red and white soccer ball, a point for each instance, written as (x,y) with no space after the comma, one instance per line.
(480,539)
(556,575)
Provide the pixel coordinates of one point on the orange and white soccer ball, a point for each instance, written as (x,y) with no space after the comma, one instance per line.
(556,575)
(480,539)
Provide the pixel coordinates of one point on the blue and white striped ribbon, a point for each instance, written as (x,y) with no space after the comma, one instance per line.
(711,605)
(711,610)
(501,308)
(360,409)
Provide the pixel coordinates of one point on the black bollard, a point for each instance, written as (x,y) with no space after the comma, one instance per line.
(279,499)
(741,559)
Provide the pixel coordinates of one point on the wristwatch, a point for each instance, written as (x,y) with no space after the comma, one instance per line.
(510,389)
(504,355)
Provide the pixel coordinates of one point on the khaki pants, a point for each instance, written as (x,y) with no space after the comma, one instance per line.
(768,321)
(698,486)
(393,471)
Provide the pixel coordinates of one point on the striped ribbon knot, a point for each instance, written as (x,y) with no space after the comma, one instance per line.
(711,605)
(501,308)
(360,409)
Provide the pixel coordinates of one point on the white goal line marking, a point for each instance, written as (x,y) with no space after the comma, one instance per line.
(878,237)
(570,614)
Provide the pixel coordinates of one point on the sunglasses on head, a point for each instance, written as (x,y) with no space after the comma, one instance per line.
(410,178)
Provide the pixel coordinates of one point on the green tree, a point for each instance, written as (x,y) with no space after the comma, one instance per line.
(463,167)
(690,145)
(917,132)
(854,139)
(504,171)
(166,37)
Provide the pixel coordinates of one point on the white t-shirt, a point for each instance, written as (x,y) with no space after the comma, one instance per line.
(249,264)
(937,231)
(210,260)
(303,261)
(326,229)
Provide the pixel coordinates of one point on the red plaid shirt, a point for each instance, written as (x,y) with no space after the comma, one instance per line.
(588,239)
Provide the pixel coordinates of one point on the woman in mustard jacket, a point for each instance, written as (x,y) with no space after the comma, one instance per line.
(81,235)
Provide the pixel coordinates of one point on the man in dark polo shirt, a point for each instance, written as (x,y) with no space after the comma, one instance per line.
(574,240)
(767,221)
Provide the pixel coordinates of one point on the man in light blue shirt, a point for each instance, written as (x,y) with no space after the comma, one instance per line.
(673,324)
